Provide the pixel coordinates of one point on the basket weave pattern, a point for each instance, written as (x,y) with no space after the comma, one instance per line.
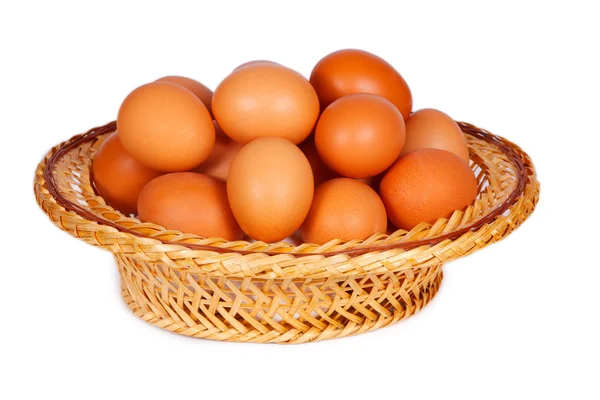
(281,293)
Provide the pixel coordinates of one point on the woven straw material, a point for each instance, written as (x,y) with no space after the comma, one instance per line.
(281,293)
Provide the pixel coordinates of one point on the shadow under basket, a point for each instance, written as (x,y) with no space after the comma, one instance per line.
(280,293)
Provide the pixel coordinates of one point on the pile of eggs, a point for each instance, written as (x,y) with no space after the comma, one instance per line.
(271,153)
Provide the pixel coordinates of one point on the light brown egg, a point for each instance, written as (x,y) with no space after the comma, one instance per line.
(355,71)
(343,209)
(425,185)
(165,127)
(270,188)
(118,177)
(321,172)
(202,92)
(360,135)
(191,203)
(265,100)
(429,128)
(255,62)
(218,163)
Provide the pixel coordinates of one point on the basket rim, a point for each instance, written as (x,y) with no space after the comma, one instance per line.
(507,148)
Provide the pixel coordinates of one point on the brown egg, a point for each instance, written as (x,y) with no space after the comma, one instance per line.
(255,62)
(218,163)
(202,92)
(165,127)
(321,172)
(360,135)
(429,128)
(343,209)
(191,203)
(266,100)
(118,177)
(425,185)
(355,71)
(270,188)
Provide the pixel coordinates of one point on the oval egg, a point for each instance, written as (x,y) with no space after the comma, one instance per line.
(429,128)
(218,163)
(263,100)
(352,71)
(199,90)
(191,203)
(344,209)
(270,188)
(360,135)
(425,185)
(118,177)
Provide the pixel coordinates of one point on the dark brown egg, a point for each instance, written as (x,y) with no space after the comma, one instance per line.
(321,172)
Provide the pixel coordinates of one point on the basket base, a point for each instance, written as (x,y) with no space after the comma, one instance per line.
(273,311)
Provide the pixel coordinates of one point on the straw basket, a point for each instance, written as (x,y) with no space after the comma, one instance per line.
(280,293)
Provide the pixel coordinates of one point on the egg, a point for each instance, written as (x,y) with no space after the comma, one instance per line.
(344,209)
(255,62)
(425,185)
(218,163)
(270,188)
(360,135)
(191,203)
(202,92)
(263,100)
(118,177)
(165,127)
(429,128)
(321,172)
(356,71)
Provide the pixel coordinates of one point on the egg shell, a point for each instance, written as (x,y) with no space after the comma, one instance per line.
(263,100)
(218,163)
(191,203)
(360,135)
(270,188)
(321,172)
(198,89)
(344,209)
(165,127)
(351,71)
(118,177)
(425,185)
(255,62)
(430,128)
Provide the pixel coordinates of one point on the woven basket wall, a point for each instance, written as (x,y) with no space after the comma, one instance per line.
(281,293)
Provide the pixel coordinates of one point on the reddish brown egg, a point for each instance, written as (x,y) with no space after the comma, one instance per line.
(360,135)
(266,100)
(425,185)
(429,128)
(118,177)
(321,172)
(202,92)
(343,209)
(355,71)
(191,203)
(165,127)
(218,163)
(270,188)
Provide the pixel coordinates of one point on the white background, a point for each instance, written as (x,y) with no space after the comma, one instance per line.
(516,320)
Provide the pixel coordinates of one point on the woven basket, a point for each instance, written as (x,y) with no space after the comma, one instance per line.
(281,293)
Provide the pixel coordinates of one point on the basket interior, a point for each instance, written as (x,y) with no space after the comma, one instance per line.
(497,177)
